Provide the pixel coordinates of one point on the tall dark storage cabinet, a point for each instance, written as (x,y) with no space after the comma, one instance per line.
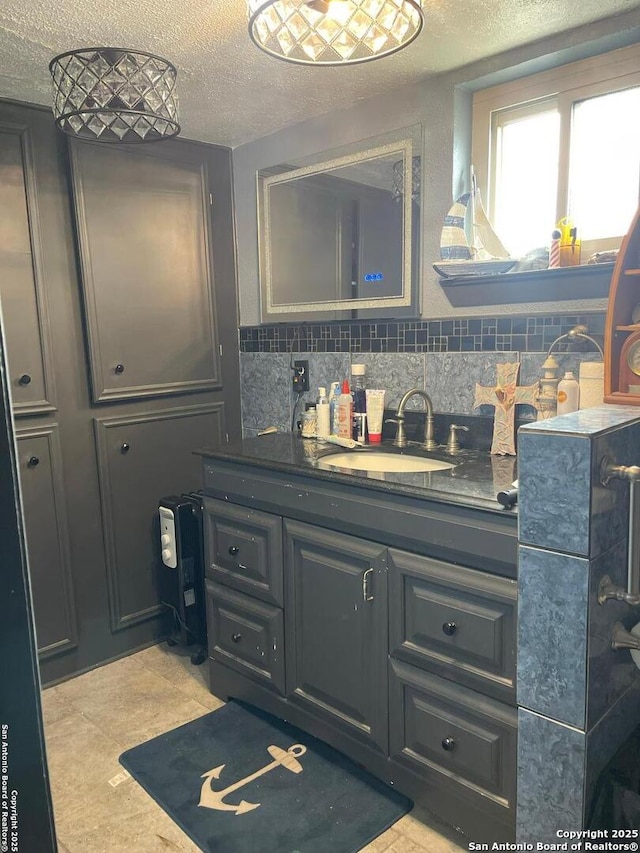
(118,289)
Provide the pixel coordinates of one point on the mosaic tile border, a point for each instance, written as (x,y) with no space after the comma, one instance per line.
(486,334)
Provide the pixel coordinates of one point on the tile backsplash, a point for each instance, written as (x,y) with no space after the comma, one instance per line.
(400,356)
(486,334)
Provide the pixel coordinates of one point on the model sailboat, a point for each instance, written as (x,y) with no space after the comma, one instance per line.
(485,255)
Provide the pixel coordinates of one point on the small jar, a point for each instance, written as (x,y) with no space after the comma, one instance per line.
(309,423)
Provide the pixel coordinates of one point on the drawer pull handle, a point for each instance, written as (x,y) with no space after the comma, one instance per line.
(119,369)
(236,638)
(25,379)
(449,628)
(125,448)
(233,550)
(448,744)
(33,461)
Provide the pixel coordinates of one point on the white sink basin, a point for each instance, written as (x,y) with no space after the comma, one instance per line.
(392,463)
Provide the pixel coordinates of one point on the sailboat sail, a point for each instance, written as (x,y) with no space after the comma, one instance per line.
(485,254)
(485,240)
(453,240)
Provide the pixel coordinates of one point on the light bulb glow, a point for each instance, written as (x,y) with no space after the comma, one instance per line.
(333,32)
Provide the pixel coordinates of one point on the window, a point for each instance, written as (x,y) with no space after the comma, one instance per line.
(562,143)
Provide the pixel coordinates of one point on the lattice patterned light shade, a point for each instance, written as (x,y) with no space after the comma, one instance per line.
(111,94)
(397,179)
(333,32)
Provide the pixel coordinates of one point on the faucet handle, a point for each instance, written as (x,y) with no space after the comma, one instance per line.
(400,439)
(453,445)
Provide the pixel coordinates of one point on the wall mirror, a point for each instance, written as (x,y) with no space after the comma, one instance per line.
(339,234)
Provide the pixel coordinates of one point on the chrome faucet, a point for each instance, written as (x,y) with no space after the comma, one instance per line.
(400,440)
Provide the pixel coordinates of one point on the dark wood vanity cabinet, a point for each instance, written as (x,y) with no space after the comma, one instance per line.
(336,628)
(402,659)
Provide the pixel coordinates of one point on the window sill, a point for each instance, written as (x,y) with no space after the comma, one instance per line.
(590,281)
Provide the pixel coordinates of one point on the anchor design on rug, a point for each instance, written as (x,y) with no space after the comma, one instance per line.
(211,799)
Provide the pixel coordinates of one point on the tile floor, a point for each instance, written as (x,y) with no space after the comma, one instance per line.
(91,719)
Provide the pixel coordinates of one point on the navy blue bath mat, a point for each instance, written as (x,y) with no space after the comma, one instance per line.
(241,781)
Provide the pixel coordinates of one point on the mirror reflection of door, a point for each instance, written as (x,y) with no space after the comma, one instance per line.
(311,244)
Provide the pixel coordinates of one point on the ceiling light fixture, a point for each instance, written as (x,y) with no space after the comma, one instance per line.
(333,32)
(112,94)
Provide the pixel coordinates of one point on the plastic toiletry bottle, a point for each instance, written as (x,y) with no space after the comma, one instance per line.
(344,407)
(323,421)
(375,414)
(568,394)
(358,393)
(334,393)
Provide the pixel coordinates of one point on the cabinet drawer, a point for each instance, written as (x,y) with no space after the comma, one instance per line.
(458,622)
(244,549)
(246,634)
(453,734)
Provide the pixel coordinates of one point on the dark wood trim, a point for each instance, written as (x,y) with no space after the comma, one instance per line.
(623,299)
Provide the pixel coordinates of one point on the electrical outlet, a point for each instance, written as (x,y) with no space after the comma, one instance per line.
(300,376)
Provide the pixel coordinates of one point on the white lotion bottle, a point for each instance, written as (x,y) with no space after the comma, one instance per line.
(568,394)
(323,428)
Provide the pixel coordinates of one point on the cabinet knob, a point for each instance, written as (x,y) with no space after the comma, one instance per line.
(236,638)
(449,628)
(25,379)
(233,550)
(33,461)
(119,368)
(124,447)
(448,744)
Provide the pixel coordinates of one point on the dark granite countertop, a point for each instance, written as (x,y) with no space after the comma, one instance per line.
(475,480)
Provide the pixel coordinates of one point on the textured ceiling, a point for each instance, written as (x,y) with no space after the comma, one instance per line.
(230,92)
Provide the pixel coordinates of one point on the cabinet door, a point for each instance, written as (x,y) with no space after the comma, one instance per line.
(457,621)
(47,539)
(22,295)
(243,549)
(246,635)
(146,271)
(336,629)
(455,737)
(142,458)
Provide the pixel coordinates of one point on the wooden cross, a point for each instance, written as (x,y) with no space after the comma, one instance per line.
(505,396)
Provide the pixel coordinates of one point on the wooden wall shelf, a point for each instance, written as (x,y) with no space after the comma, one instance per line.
(621,335)
(590,281)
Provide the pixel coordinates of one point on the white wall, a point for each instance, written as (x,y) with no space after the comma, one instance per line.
(442,105)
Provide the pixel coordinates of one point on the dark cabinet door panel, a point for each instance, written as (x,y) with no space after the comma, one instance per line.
(459,622)
(453,733)
(244,549)
(22,294)
(246,634)
(145,253)
(42,484)
(142,458)
(336,611)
